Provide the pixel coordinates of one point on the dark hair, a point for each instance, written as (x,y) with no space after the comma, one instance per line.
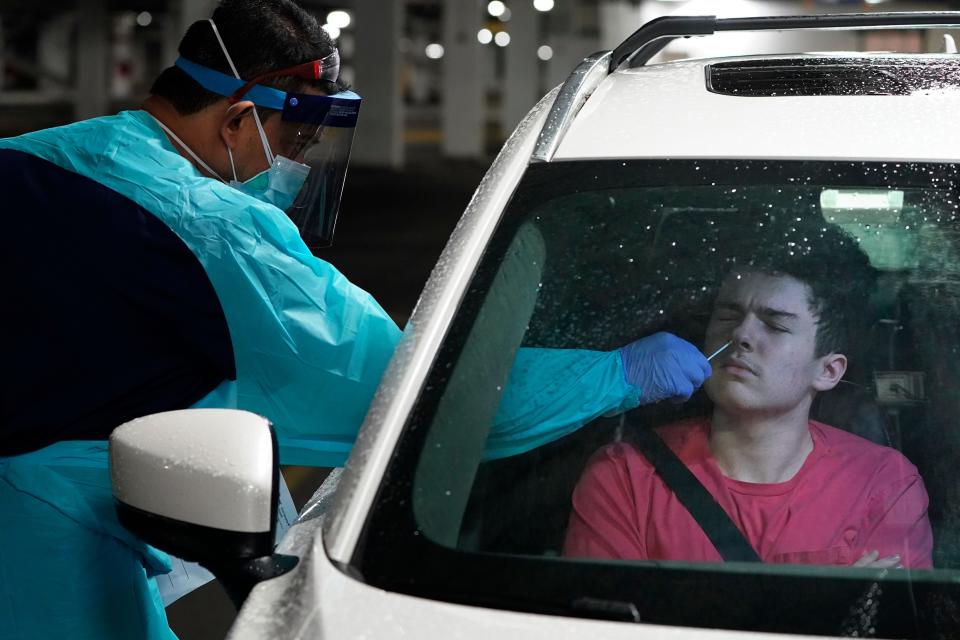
(825,258)
(261,36)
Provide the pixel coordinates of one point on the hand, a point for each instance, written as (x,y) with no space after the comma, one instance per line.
(872,560)
(664,366)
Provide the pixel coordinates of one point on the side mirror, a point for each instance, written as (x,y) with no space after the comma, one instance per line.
(203,484)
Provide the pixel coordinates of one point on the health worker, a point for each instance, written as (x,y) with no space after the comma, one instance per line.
(162,261)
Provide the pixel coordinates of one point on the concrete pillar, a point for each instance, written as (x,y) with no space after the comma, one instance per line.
(618,19)
(2,49)
(378,27)
(179,16)
(91,97)
(170,38)
(189,11)
(522,74)
(53,50)
(570,44)
(462,115)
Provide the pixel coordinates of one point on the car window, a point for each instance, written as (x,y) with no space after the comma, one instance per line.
(594,255)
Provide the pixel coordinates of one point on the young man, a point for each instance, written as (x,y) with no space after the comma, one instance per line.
(799,491)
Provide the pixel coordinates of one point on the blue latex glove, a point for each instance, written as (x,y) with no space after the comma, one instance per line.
(663,367)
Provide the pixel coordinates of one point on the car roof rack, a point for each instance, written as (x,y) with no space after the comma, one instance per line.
(651,38)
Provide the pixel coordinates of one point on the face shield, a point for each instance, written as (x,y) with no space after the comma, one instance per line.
(312,141)
(316,132)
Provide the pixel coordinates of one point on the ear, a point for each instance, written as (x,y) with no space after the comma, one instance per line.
(232,122)
(830,369)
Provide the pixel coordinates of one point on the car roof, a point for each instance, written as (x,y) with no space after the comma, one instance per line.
(667,111)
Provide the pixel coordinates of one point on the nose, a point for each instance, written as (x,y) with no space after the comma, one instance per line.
(743,335)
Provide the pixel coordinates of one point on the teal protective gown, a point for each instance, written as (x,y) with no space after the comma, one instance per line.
(309,349)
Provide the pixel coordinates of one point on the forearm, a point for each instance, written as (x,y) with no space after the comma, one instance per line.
(553,392)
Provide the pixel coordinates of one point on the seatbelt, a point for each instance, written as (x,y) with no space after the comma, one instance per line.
(720,529)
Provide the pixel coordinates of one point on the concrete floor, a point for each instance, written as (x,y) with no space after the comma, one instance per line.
(392,227)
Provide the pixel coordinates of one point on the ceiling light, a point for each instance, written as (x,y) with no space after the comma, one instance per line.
(339,19)
(333,31)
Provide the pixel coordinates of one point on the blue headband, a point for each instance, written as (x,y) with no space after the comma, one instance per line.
(225,85)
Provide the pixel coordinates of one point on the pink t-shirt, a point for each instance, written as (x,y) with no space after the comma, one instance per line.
(849,496)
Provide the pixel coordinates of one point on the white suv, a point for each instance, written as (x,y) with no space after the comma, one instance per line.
(608,216)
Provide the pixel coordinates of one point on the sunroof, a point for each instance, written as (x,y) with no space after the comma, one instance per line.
(833,76)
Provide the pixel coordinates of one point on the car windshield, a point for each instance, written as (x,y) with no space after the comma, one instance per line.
(594,255)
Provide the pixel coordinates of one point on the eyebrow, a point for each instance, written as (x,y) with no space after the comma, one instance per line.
(768,312)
